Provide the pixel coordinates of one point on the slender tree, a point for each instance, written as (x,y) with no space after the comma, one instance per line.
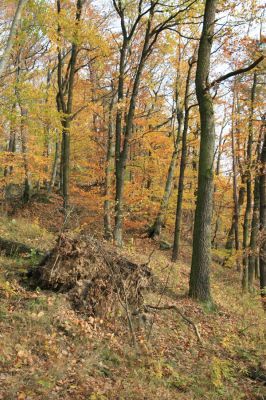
(152,30)
(182,167)
(12,35)
(65,98)
(262,185)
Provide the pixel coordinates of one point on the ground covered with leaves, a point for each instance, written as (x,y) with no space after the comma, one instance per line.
(49,350)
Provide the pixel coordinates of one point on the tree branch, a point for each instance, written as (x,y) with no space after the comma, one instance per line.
(173,307)
(236,72)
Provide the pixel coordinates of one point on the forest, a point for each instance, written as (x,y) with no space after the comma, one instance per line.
(132,200)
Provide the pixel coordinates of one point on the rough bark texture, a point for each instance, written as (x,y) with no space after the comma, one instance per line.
(199,284)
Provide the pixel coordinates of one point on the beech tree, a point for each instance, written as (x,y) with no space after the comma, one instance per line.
(12,35)
(152,30)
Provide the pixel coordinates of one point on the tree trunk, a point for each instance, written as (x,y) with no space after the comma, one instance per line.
(64,101)
(199,284)
(65,163)
(246,225)
(108,174)
(236,200)
(183,161)
(254,234)
(231,234)
(122,155)
(263,218)
(12,35)
(156,228)
(12,141)
(55,165)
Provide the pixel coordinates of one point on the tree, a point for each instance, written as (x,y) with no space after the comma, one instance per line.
(262,188)
(123,134)
(199,284)
(12,35)
(182,167)
(65,98)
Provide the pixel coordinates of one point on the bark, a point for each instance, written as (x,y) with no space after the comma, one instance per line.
(262,184)
(254,234)
(12,35)
(156,228)
(122,155)
(151,35)
(217,173)
(238,196)
(12,141)
(55,166)
(23,135)
(240,200)
(199,284)
(108,174)
(65,101)
(236,200)
(183,161)
(246,225)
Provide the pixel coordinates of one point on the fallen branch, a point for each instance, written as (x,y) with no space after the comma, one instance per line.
(173,307)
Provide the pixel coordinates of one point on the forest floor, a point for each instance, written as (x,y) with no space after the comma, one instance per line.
(49,352)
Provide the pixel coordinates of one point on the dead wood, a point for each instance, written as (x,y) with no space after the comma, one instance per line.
(176,309)
(93,274)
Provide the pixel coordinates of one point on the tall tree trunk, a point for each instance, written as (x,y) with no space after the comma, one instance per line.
(54,166)
(199,284)
(183,161)
(246,225)
(64,101)
(236,199)
(11,36)
(122,155)
(231,238)
(254,234)
(156,228)
(65,162)
(23,115)
(27,184)
(12,140)
(108,174)
(263,217)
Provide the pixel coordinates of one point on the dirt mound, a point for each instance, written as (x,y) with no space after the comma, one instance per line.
(96,277)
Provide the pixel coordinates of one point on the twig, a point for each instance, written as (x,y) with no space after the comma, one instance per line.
(173,307)
(160,298)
